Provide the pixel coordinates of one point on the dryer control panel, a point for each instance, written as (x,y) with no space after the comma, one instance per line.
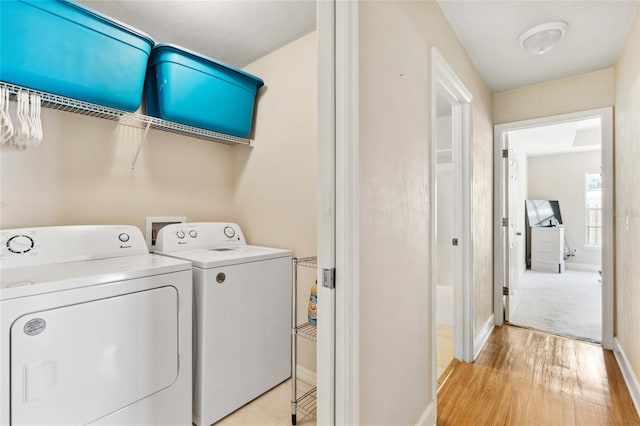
(60,244)
(199,235)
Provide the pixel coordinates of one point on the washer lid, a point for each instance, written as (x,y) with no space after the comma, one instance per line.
(225,256)
(38,279)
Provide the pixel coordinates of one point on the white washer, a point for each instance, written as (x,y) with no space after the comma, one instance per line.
(94,329)
(242,310)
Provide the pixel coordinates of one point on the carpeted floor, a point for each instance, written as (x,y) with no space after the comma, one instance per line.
(567,304)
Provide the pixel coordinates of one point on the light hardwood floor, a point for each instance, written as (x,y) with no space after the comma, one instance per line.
(445,347)
(523,377)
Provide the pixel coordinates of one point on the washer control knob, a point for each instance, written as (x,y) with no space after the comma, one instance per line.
(193,233)
(180,234)
(229,232)
(20,244)
(124,237)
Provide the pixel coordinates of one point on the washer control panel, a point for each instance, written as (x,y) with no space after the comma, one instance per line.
(58,244)
(199,235)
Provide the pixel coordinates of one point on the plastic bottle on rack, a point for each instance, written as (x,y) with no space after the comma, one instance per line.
(313,305)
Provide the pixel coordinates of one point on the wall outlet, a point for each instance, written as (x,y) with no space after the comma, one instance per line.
(156,223)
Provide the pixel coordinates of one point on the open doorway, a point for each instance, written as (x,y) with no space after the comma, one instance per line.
(555,193)
(451,241)
(447,262)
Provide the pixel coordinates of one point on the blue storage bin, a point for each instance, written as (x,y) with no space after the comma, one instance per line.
(188,88)
(63,48)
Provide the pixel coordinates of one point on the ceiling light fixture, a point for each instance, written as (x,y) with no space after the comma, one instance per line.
(542,38)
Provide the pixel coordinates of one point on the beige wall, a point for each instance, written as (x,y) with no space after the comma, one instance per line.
(81,174)
(561,177)
(578,93)
(275,191)
(627,159)
(395,132)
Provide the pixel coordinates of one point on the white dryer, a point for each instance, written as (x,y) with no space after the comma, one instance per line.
(94,329)
(242,314)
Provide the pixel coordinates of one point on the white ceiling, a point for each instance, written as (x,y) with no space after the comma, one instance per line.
(489,31)
(236,32)
(562,138)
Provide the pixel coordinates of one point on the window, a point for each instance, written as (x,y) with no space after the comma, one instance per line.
(593,209)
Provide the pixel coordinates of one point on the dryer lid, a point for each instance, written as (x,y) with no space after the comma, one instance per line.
(48,278)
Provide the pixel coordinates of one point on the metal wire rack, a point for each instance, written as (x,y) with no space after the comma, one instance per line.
(309,262)
(134,119)
(306,403)
(308,331)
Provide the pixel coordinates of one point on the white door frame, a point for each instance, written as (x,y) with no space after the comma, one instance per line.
(338,223)
(442,75)
(500,130)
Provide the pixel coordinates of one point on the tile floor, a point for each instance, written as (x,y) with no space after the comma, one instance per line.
(271,409)
(274,407)
(445,347)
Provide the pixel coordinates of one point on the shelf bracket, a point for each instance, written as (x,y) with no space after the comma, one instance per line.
(144,137)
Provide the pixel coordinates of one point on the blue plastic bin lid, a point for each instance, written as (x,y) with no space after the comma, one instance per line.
(109,20)
(198,56)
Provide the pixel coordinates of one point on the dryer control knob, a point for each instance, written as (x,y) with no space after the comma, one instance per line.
(20,244)
(124,237)
(180,234)
(229,232)
(193,234)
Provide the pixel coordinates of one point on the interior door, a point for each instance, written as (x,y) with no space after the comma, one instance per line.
(508,197)
(513,243)
(327,168)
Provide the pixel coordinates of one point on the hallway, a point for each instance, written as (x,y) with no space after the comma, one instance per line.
(524,377)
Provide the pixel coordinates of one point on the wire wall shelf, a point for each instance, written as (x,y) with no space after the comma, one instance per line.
(306,403)
(308,331)
(133,119)
(309,262)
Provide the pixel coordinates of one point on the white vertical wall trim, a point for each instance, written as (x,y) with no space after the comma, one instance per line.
(481,339)
(433,228)
(347,215)
(608,225)
(428,416)
(326,210)
(627,372)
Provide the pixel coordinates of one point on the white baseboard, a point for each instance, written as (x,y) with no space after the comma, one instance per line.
(481,339)
(582,267)
(627,372)
(428,416)
(306,375)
